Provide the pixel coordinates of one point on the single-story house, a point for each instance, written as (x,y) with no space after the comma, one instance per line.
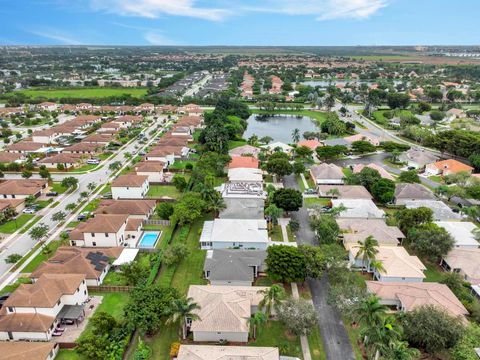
(16,204)
(10,157)
(233,267)
(28,350)
(245,175)
(278,146)
(83,148)
(152,169)
(359,137)
(25,147)
(327,174)
(383,173)
(311,144)
(462,233)
(46,136)
(93,263)
(243,162)
(465,262)
(441,211)
(398,264)
(243,150)
(447,167)
(243,208)
(406,192)
(64,159)
(22,188)
(343,191)
(358,208)
(355,230)
(98,139)
(417,158)
(409,296)
(130,187)
(216,352)
(234,233)
(224,312)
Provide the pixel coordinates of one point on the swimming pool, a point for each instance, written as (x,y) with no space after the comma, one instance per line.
(149,239)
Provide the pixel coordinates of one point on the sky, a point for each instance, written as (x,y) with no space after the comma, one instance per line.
(239,22)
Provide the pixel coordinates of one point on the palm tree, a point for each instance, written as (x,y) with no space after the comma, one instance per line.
(380,337)
(377,264)
(399,350)
(256,320)
(370,312)
(367,251)
(272,298)
(274,212)
(217,204)
(183,309)
(296,135)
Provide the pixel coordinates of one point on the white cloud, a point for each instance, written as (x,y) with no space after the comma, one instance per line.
(323,9)
(57,36)
(155,38)
(155,8)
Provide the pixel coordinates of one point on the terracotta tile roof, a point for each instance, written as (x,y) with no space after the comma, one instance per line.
(413,295)
(383,173)
(453,166)
(149,166)
(354,230)
(22,186)
(26,350)
(243,162)
(6,157)
(62,158)
(73,260)
(13,203)
(133,224)
(83,146)
(311,144)
(25,146)
(46,291)
(467,260)
(97,138)
(105,223)
(26,322)
(130,207)
(327,171)
(162,151)
(129,180)
(129,118)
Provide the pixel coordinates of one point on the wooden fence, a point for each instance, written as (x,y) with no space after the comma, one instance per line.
(156,222)
(110,288)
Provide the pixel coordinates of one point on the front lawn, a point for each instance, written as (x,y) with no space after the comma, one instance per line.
(316,346)
(13,225)
(56,186)
(44,255)
(311,202)
(16,284)
(86,167)
(276,233)
(157,191)
(274,334)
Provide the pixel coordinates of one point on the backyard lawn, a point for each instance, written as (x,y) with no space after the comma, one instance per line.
(276,233)
(156,191)
(315,201)
(13,225)
(275,334)
(100,92)
(181,164)
(433,272)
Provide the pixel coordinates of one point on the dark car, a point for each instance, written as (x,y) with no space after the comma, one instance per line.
(52,193)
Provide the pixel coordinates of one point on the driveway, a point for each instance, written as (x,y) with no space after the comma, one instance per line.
(334,335)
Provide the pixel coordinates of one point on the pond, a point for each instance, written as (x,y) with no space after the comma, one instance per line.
(278,127)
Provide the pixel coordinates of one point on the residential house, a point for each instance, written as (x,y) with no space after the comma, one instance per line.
(94,264)
(311,144)
(245,150)
(167,153)
(406,192)
(441,211)
(465,261)
(243,162)
(47,106)
(327,174)
(10,157)
(152,169)
(343,191)
(447,167)
(83,148)
(250,175)
(358,208)
(417,158)
(128,121)
(16,204)
(101,139)
(272,147)
(224,313)
(355,230)
(234,267)
(130,187)
(456,113)
(398,264)
(32,310)
(27,350)
(64,159)
(26,147)
(234,233)
(383,173)
(410,296)
(103,230)
(135,209)
(215,352)
(463,233)
(243,208)
(359,137)
(22,188)
(46,136)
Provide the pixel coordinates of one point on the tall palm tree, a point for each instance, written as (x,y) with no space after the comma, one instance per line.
(370,312)
(296,135)
(256,320)
(183,309)
(380,337)
(377,264)
(367,251)
(272,298)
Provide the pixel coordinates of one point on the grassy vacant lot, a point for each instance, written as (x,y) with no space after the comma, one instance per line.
(98,92)
(13,225)
(156,191)
(275,334)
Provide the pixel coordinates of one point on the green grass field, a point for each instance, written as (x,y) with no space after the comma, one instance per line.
(273,333)
(44,255)
(156,191)
(81,92)
(11,226)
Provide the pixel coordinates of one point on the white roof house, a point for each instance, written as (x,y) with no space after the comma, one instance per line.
(278,145)
(234,233)
(441,211)
(462,233)
(358,208)
(213,352)
(245,174)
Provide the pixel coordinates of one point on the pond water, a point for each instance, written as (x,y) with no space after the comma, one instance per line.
(278,127)
(326,83)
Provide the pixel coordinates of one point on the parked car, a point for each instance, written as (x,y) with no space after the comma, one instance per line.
(93,162)
(310,191)
(107,196)
(142,153)
(83,216)
(52,193)
(29,210)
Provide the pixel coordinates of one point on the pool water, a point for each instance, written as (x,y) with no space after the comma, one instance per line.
(149,239)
